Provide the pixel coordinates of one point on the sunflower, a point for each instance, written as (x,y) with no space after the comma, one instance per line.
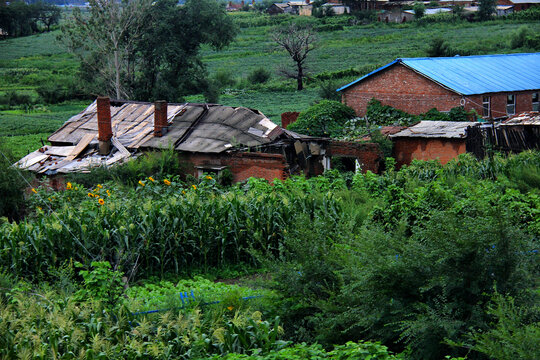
(101,201)
(166,182)
(141,183)
(69,186)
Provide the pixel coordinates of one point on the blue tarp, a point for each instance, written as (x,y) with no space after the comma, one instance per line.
(468,75)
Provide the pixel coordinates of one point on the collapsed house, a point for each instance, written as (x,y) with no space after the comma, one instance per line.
(209,138)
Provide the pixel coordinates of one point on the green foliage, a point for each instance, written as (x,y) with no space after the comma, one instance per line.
(259,76)
(438,47)
(41,324)
(101,283)
(525,38)
(327,90)
(419,10)
(21,19)
(515,333)
(382,115)
(486,9)
(326,118)
(12,186)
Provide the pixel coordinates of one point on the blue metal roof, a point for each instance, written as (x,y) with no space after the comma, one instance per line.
(468,75)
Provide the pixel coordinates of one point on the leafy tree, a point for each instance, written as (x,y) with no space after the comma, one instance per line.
(486,9)
(49,15)
(139,49)
(299,42)
(419,10)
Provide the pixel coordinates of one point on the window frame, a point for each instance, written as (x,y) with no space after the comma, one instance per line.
(535,104)
(486,111)
(511,105)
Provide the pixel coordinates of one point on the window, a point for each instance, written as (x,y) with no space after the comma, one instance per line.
(511,104)
(535,103)
(486,106)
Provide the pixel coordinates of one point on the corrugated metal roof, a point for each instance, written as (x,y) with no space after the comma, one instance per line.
(526,118)
(468,75)
(436,129)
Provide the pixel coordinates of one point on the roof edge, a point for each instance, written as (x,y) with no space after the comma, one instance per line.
(398,60)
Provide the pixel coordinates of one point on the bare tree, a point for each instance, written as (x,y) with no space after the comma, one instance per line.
(298,41)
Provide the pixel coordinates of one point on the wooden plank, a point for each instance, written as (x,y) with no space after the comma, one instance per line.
(33,160)
(120,147)
(60,150)
(81,146)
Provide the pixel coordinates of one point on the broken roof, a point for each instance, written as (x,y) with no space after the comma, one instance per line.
(479,74)
(436,129)
(202,128)
(526,118)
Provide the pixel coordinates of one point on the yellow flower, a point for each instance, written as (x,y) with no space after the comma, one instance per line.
(50,199)
(230,308)
(108,193)
(90,195)
(101,201)
(39,208)
(183,192)
(141,183)
(208,177)
(34,191)
(69,186)
(166,182)
(151,179)
(99,186)
(194,187)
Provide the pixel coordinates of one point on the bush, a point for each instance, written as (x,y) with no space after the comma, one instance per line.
(12,187)
(326,118)
(14,98)
(259,76)
(327,90)
(525,38)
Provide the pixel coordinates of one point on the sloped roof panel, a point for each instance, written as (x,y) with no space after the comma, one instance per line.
(436,129)
(469,75)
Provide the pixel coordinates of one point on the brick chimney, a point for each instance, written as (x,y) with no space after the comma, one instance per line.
(160,118)
(104,124)
(242,3)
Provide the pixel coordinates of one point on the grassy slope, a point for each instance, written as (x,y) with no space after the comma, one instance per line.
(27,63)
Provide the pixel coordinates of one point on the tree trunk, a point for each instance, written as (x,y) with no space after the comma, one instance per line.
(300,76)
(117,71)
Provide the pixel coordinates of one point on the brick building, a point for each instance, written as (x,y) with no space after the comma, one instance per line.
(209,138)
(495,86)
(519,5)
(430,140)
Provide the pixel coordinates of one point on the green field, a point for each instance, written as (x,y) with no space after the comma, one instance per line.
(32,63)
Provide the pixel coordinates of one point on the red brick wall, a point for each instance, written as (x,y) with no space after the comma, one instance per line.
(407,149)
(242,165)
(369,155)
(288,118)
(404,89)
(401,88)
(498,102)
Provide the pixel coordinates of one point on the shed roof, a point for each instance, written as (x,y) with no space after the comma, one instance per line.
(468,75)
(436,129)
(526,118)
(203,128)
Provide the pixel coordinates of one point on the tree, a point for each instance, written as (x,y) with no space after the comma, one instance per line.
(49,15)
(419,10)
(141,49)
(486,9)
(105,40)
(298,41)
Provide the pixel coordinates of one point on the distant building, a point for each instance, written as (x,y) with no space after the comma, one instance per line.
(303,8)
(495,86)
(519,5)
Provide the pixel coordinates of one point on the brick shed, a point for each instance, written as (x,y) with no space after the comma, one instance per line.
(209,138)
(430,140)
(496,86)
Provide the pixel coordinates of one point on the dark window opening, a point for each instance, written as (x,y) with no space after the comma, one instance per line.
(344,164)
(535,102)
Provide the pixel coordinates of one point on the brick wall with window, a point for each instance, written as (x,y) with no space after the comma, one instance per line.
(404,89)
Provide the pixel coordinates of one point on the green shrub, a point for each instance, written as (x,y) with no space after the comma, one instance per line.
(12,186)
(525,38)
(259,76)
(326,118)
(327,90)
